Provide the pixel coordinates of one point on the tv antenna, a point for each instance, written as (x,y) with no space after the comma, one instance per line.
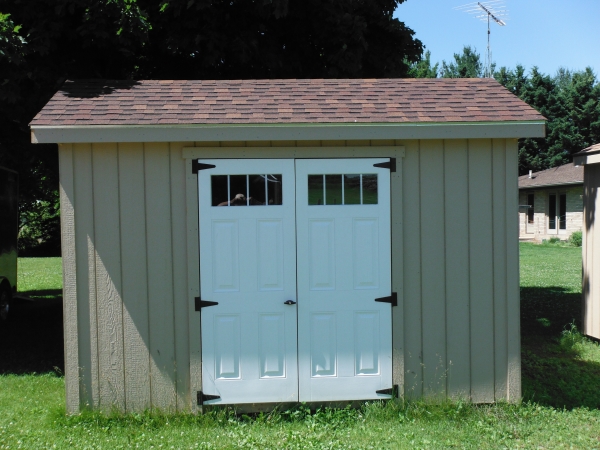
(493,9)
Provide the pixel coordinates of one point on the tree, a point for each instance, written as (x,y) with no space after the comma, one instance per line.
(45,42)
(571,103)
(423,68)
(466,65)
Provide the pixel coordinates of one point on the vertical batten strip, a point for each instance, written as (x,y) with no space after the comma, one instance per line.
(513,311)
(413,372)
(193,283)
(501,216)
(180,295)
(481,269)
(396,193)
(160,276)
(134,280)
(456,204)
(108,276)
(431,171)
(86,275)
(69,260)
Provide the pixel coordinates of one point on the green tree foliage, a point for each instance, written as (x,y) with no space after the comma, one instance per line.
(45,42)
(465,65)
(571,103)
(423,68)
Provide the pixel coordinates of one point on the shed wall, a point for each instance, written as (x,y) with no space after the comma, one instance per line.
(591,251)
(130,243)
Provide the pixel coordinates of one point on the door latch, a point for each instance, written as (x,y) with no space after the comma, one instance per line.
(289,302)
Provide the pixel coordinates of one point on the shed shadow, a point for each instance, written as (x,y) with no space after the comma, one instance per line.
(95,88)
(554,371)
(32,338)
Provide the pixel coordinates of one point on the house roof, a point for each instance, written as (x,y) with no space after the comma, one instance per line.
(590,150)
(188,102)
(557,176)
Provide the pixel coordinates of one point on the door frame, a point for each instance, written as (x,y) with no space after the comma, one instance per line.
(191,153)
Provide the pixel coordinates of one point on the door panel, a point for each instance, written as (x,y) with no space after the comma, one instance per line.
(316,232)
(248,266)
(344,264)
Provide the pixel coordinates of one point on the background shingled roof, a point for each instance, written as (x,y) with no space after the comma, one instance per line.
(186,102)
(565,174)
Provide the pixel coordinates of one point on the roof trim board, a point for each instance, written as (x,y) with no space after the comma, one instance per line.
(280,132)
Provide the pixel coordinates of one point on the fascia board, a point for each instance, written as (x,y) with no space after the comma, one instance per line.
(587,158)
(545,186)
(285,132)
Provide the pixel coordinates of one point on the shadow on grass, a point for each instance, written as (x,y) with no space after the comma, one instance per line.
(31,341)
(553,372)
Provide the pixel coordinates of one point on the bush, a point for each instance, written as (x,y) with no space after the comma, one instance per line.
(576,239)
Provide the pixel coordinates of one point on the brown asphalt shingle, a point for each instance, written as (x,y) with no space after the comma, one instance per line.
(565,174)
(104,102)
(591,149)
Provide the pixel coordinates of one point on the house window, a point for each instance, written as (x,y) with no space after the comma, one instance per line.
(557,211)
(246,190)
(530,211)
(342,189)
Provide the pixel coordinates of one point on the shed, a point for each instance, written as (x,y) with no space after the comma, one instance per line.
(589,159)
(373,249)
(551,203)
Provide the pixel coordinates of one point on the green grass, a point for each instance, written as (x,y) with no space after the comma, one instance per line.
(39,277)
(560,377)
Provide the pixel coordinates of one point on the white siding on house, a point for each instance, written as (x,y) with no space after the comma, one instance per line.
(131,267)
(591,251)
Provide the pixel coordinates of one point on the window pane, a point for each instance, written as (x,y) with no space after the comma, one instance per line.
(369,189)
(257,188)
(333,189)
(315,189)
(352,189)
(218,185)
(274,183)
(563,212)
(237,190)
(552,211)
(530,210)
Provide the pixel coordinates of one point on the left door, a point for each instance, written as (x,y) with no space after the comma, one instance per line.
(248,268)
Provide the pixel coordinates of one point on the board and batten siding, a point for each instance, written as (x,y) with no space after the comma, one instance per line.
(131,267)
(591,251)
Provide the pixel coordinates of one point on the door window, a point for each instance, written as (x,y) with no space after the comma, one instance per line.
(246,190)
(342,189)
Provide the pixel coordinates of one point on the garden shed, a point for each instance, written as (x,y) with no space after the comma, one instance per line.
(372,249)
(589,158)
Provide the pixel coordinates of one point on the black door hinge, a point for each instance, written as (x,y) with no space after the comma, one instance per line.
(393,391)
(202,397)
(199,304)
(391,164)
(196,166)
(393,299)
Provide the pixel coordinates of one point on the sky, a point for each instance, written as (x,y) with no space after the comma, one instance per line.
(548,34)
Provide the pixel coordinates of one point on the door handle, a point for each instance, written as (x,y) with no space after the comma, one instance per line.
(289,302)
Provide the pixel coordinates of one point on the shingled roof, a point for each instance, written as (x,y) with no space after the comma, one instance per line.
(102,102)
(590,150)
(557,176)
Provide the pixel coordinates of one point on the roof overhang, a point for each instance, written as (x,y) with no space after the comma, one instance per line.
(582,159)
(285,132)
(547,186)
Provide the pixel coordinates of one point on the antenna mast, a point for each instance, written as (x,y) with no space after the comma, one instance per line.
(484,11)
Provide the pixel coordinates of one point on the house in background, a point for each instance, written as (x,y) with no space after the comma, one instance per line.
(551,203)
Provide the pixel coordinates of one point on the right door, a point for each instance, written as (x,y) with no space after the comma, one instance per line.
(344,266)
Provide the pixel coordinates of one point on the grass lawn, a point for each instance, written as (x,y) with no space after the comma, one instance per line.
(560,377)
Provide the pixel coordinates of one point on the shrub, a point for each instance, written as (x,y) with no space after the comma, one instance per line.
(576,238)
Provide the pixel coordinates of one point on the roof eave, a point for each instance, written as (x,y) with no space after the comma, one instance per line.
(542,186)
(280,132)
